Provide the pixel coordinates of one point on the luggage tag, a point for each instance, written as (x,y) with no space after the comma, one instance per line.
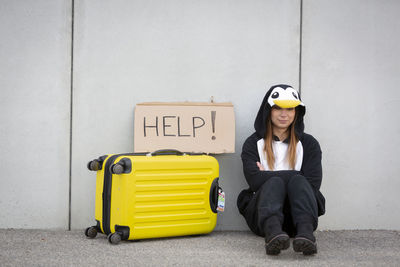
(221,200)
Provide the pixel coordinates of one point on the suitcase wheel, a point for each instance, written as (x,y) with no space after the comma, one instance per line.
(91,232)
(94,165)
(117,168)
(122,166)
(114,238)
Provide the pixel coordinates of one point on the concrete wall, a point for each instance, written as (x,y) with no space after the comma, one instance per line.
(126,52)
(135,51)
(34,113)
(350,79)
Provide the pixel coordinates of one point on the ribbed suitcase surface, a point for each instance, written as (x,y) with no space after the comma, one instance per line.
(157,196)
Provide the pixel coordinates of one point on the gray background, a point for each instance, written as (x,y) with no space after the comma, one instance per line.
(58,113)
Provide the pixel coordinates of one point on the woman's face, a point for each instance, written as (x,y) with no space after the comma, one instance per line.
(282,118)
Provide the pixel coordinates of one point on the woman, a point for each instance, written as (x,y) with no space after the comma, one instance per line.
(282,166)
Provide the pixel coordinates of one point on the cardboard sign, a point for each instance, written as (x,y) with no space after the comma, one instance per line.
(187,127)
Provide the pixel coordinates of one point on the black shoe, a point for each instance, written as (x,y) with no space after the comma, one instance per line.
(305,245)
(277,243)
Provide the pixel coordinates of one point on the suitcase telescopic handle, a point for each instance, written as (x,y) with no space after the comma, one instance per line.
(167,152)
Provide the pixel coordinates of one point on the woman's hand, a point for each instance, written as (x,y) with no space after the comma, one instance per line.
(260,166)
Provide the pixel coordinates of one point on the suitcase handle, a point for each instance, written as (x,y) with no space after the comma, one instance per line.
(214,195)
(167,152)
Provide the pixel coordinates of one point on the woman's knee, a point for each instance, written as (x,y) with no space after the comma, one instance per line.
(274,185)
(298,181)
(274,181)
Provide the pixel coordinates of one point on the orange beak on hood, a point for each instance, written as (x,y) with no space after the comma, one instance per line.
(287,103)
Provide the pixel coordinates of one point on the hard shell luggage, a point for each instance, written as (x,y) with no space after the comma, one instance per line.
(161,194)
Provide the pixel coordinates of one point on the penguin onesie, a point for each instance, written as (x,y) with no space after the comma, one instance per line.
(283,201)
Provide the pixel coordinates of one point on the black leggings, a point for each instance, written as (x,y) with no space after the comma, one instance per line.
(292,201)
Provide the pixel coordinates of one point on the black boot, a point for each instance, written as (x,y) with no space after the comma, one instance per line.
(275,239)
(305,240)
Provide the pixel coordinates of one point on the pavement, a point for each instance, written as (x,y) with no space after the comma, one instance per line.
(220,248)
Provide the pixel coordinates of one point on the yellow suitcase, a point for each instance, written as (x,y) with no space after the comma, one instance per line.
(161,194)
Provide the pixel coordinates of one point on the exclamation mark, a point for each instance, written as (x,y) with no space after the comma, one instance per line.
(213,115)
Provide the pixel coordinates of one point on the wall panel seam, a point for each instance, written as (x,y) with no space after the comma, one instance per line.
(71,115)
(300,44)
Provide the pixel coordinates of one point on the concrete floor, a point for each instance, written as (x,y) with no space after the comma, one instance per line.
(72,248)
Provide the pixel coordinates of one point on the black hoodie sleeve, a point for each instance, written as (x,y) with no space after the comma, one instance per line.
(312,167)
(254,177)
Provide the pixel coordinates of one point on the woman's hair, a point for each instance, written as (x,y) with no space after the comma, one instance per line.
(293,139)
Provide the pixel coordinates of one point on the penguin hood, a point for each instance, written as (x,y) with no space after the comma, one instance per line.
(284,96)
